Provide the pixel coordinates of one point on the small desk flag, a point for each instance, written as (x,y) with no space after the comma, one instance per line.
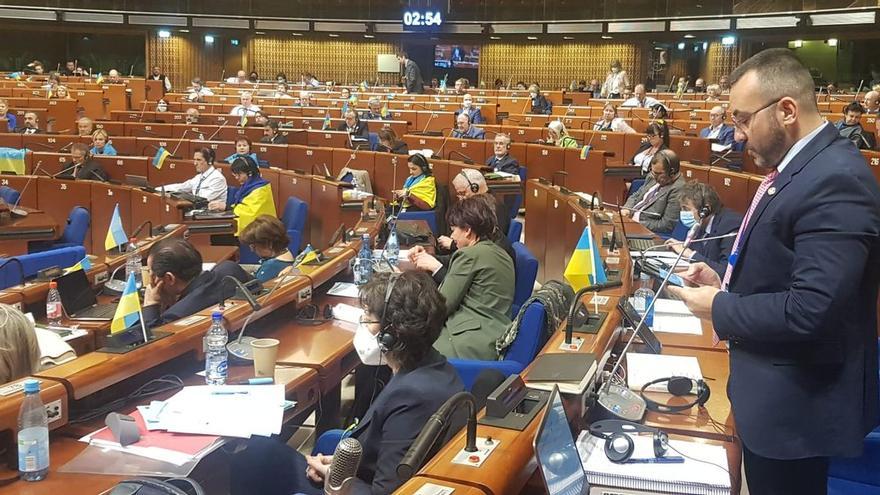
(115,233)
(585,267)
(161,155)
(128,312)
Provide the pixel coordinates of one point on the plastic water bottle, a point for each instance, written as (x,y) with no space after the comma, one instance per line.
(133,262)
(642,299)
(53,305)
(216,356)
(33,435)
(392,247)
(363,267)
(357,186)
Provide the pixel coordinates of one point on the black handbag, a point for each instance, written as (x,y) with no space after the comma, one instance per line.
(153,486)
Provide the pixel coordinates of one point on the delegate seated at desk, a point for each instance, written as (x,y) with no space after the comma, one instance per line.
(242,149)
(420,189)
(208,183)
(267,237)
(479,284)
(700,203)
(719,131)
(399,333)
(464,129)
(354,126)
(467,107)
(19,350)
(81,165)
(252,199)
(178,287)
(501,161)
(656,204)
(101,144)
(388,142)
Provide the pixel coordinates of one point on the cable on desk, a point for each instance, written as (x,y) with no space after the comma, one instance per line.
(165,383)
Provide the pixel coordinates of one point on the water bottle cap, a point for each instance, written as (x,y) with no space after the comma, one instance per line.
(216,315)
(31,386)
(365,237)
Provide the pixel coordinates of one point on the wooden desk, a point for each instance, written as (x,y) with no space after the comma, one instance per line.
(418,482)
(36,226)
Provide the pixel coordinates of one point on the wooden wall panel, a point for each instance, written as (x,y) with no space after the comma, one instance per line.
(554,66)
(721,60)
(184,56)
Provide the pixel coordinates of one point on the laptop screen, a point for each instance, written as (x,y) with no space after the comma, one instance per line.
(557,454)
(76,293)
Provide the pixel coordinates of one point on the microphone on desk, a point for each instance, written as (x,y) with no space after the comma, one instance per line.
(140,227)
(343,469)
(65,170)
(248,296)
(418,450)
(468,160)
(576,304)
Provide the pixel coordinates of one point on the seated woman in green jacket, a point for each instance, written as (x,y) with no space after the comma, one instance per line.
(479,284)
(557,135)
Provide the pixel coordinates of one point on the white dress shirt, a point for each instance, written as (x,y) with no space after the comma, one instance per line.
(634,102)
(210,185)
(193,94)
(798,146)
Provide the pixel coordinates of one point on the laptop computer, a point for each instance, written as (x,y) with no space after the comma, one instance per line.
(636,242)
(556,452)
(79,300)
(138,181)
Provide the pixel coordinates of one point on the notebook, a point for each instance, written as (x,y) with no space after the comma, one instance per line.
(702,473)
(572,372)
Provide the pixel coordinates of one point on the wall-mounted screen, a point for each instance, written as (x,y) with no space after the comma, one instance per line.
(457,56)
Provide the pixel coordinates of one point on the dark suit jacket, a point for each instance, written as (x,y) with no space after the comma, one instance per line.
(474,114)
(542,105)
(801,311)
(505,164)
(725,137)
(89,170)
(716,251)
(473,132)
(413,77)
(396,418)
(360,130)
(400,148)
(204,291)
(662,213)
(276,139)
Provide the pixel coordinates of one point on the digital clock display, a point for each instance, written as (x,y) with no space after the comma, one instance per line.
(421,19)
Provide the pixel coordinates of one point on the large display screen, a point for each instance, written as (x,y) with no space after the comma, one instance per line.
(457,56)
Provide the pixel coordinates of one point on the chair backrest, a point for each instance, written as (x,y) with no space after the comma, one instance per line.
(34,262)
(295,213)
(77,226)
(526,271)
(522,173)
(374,141)
(635,186)
(9,195)
(529,338)
(514,233)
(680,231)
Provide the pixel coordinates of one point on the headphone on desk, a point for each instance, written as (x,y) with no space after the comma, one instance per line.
(678,386)
(619,445)
(388,341)
(471,185)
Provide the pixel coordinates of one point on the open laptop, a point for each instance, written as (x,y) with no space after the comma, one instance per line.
(636,242)
(79,300)
(556,452)
(139,181)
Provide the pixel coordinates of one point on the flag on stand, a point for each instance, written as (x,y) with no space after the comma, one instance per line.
(115,233)
(585,267)
(161,155)
(128,312)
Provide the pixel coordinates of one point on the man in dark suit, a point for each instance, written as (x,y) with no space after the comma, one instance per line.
(501,161)
(412,75)
(81,165)
(701,204)
(354,126)
(272,133)
(656,205)
(798,303)
(464,129)
(718,130)
(178,287)
(31,124)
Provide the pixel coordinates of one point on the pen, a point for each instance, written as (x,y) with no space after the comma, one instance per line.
(258,381)
(229,392)
(657,460)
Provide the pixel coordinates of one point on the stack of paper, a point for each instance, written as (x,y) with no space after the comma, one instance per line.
(703,472)
(343,289)
(228,410)
(673,316)
(644,368)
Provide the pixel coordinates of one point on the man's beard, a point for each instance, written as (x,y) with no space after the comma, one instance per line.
(772,150)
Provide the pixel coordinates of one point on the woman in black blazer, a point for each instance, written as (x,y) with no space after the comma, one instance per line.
(403,315)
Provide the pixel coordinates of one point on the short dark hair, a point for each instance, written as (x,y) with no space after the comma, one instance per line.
(207,153)
(273,124)
(245,165)
(781,74)
(83,147)
(659,129)
(266,231)
(414,315)
(245,139)
(476,213)
(420,161)
(387,134)
(854,107)
(701,195)
(176,256)
(669,160)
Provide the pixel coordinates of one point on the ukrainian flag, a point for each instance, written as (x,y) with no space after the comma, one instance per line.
(83,264)
(585,267)
(115,233)
(384,111)
(12,160)
(326,124)
(353,99)
(161,155)
(364,86)
(128,312)
(244,120)
(344,108)
(443,82)
(585,152)
(16,76)
(99,79)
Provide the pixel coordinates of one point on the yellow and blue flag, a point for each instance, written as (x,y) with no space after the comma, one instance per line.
(12,160)
(344,108)
(244,120)
(364,86)
(128,312)
(443,82)
(326,124)
(384,111)
(115,233)
(161,155)
(99,79)
(353,99)
(585,267)
(83,264)
(16,76)
(585,151)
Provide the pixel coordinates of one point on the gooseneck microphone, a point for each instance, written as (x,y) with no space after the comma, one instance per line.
(251,300)
(569,324)
(343,468)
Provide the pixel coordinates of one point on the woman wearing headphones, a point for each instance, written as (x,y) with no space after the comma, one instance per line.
(701,204)
(656,204)
(253,198)
(420,189)
(101,144)
(403,314)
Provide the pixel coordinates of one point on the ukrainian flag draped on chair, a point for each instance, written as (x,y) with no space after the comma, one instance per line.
(128,312)
(585,267)
(115,233)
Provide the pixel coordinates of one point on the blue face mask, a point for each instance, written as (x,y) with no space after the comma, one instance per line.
(687,218)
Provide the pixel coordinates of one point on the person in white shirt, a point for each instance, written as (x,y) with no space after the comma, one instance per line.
(281,92)
(158,76)
(611,122)
(239,78)
(247,107)
(198,90)
(713,92)
(615,82)
(640,98)
(208,183)
(305,99)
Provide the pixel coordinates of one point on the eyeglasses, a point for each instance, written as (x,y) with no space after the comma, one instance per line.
(742,124)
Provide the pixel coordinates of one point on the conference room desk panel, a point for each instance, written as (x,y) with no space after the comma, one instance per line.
(873,160)
(63,114)
(193,131)
(545,161)
(536,232)
(408,116)
(149,129)
(732,187)
(435,121)
(519,105)
(231,133)
(614,142)
(222,149)
(53,143)
(105,198)
(353,159)
(148,146)
(10,140)
(173,171)
(692,171)
(10,298)
(275,154)
(329,139)
(390,172)
(57,197)
(419,483)
(417,142)
(475,150)
(521,134)
(19,231)
(585,174)
(117,167)
(692,149)
(327,198)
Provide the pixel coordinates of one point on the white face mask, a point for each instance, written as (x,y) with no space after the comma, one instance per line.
(467,103)
(533,95)
(367,346)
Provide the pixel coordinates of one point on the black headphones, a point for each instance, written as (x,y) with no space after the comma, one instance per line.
(678,386)
(705,209)
(420,161)
(619,446)
(387,340)
(475,188)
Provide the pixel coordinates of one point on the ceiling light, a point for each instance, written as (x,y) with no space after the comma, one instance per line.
(297,34)
(369,36)
(494,37)
(606,37)
(333,35)
(209,39)
(184,30)
(533,38)
(681,46)
(832,41)
(260,33)
(688,36)
(164,34)
(705,46)
(568,37)
(728,40)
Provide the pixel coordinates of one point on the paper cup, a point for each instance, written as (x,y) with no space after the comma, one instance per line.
(265,354)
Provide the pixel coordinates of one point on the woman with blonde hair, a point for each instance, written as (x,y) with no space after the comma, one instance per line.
(557,135)
(101,144)
(19,351)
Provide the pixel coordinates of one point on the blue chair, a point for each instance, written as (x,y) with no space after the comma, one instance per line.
(429,216)
(74,232)
(520,353)
(857,476)
(296,211)
(634,186)
(9,195)
(526,268)
(514,233)
(680,231)
(374,141)
(32,263)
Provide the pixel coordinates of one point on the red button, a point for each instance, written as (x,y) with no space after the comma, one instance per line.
(474,458)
